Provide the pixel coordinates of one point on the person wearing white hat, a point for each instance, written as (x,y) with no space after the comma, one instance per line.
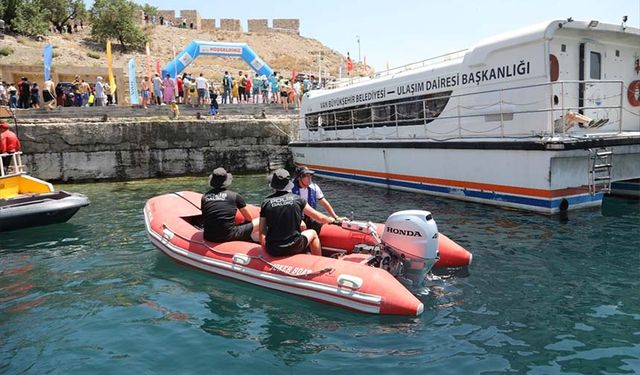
(281,216)
(311,192)
(219,207)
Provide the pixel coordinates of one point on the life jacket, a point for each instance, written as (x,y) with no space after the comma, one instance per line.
(311,199)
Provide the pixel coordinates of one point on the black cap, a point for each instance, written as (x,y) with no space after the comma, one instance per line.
(280,180)
(220,178)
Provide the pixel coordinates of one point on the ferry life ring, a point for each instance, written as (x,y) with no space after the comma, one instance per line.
(632,96)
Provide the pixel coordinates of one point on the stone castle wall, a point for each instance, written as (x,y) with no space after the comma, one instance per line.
(208,24)
(230,24)
(287,25)
(191,16)
(290,25)
(258,26)
(168,15)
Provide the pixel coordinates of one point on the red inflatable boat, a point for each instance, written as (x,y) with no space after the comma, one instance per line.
(363,271)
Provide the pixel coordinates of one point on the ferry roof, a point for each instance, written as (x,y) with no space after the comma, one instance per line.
(477,55)
(544,30)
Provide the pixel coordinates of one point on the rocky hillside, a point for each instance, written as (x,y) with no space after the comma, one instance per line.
(282,51)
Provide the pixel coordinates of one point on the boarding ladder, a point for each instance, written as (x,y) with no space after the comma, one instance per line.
(14,164)
(600,165)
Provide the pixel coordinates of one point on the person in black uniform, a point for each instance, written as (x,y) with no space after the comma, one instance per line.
(219,207)
(280,218)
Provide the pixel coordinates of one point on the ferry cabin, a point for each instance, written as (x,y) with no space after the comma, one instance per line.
(542,119)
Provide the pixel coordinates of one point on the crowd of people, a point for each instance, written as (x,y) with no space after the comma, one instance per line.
(160,20)
(288,223)
(23,94)
(243,88)
(156,90)
(262,89)
(78,93)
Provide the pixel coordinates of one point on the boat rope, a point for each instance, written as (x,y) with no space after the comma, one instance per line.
(185,198)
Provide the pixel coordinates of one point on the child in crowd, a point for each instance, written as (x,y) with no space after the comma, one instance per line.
(35,96)
(174,109)
(213,107)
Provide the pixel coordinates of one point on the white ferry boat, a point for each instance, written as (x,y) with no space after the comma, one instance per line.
(541,119)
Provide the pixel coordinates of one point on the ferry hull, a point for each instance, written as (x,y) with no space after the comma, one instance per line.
(543,181)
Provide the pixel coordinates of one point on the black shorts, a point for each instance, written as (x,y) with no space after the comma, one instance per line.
(312,224)
(47,96)
(240,232)
(297,246)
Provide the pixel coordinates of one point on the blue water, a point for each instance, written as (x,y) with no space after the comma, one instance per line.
(544,295)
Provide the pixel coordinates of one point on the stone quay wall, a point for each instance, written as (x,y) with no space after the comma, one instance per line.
(86,151)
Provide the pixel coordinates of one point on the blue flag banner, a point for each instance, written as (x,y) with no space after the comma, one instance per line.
(48,57)
(133,85)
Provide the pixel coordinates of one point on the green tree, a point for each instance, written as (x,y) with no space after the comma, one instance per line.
(8,10)
(63,11)
(149,9)
(29,18)
(117,19)
(33,17)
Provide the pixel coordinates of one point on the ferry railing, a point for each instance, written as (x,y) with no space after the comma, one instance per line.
(423,63)
(566,110)
(14,166)
(403,68)
(557,110)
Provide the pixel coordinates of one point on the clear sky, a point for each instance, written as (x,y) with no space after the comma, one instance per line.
(403,31)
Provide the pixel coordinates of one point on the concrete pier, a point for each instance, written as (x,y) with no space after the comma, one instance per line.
(77,149)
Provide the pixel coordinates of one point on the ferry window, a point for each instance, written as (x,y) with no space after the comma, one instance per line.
(409,111)
(343,119)
(327,121)
(311,121)
(563,48)
(436,105)
(382,113)
(617,53)
(595,65)
(362,116)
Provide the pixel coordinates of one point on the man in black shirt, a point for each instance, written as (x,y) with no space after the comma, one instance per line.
(280,218)
(219,210)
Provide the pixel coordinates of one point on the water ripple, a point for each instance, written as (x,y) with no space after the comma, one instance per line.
(544,295)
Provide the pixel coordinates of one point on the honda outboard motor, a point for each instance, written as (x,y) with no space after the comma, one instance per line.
(412,236)
(407,249)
